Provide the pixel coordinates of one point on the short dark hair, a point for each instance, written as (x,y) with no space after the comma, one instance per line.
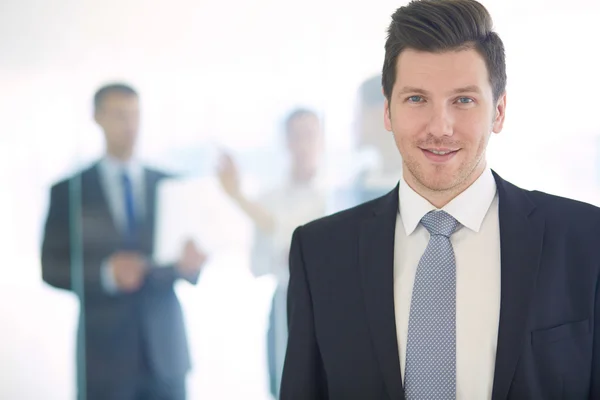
(438,26)
(105,90)
(297,113)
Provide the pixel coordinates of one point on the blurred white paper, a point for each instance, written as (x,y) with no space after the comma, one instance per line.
(198,209)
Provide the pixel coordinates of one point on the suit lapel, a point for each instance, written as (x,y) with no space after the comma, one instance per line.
(147,229)
(376,257)
(521,238)
(94,198)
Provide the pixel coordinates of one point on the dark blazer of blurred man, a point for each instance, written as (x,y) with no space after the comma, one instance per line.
(456,284)
(98,240)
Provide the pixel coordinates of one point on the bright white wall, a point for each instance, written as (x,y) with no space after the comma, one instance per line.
(225,72)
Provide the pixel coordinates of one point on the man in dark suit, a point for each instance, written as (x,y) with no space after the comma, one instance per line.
(98,241)
(456,284)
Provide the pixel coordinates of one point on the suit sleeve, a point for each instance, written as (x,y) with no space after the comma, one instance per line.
(303,374)
(57,247)
(165,276)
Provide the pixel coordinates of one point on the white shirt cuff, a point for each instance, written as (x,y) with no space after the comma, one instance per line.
(107,278)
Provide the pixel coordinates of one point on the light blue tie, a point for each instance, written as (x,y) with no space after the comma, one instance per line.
(431,344)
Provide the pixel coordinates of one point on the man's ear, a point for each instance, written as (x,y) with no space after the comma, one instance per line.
(387,120)
(500,114)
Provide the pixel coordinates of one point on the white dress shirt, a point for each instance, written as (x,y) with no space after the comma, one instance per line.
(291,205)
(476,247)
(111,181)
(111,171)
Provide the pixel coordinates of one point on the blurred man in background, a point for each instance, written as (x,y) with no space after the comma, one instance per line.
(383,166)
(98,241)
(299,199)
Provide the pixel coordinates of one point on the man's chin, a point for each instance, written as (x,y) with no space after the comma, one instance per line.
(440,187)
(439,182)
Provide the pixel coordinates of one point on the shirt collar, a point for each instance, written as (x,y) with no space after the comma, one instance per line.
(115,167)
(468,208)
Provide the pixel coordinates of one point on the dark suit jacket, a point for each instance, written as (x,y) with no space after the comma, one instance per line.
(121,331)
(342,340)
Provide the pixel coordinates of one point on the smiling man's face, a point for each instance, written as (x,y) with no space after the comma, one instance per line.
(442,112)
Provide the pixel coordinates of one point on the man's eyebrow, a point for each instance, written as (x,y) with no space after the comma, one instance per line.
(412,89)
(467,89)
(416,90)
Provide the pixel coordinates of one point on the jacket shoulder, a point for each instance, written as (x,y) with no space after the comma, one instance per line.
(565,209)
(343,222)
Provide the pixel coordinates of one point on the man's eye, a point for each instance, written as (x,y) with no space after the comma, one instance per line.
(414,99)
(465,100)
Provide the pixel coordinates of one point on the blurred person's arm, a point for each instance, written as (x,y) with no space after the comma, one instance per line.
(57,249)
(229,178)
(115,281)
(261,217)
(188,267)
(56,246)
(264,258)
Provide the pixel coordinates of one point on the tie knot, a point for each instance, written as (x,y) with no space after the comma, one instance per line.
(125,177)
(439,223)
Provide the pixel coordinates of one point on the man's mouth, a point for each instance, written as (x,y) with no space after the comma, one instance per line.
(440,154)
